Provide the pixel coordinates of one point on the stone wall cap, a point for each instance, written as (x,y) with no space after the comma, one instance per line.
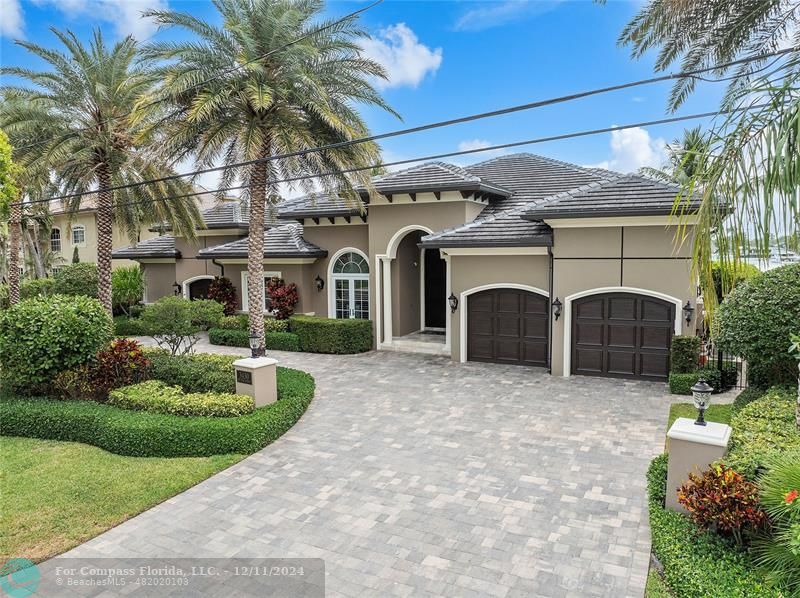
(254,362)
(712,433)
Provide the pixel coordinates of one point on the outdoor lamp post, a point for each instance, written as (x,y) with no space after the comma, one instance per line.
(688,310)
(557,308)
(701,393)
(453,301)
(254,345)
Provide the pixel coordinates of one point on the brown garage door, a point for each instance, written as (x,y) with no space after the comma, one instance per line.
(507,326)
(622,335)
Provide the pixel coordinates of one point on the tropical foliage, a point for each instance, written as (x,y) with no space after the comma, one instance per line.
(127,284)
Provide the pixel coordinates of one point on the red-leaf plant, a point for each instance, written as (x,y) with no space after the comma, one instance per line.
(283,297)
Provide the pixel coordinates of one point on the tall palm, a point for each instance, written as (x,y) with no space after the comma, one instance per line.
(76,120)
(296,87)
(684,158)
(10,211)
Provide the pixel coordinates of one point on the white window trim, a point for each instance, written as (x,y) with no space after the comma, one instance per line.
(332,276)
(462,305)
(267,274)
(60,240)
(567,312)
(75,227)
(187,283)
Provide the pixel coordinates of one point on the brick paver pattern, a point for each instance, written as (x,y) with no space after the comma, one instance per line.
(411,475)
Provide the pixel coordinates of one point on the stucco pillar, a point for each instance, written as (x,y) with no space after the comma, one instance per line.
(387,299)
(257,377)
(448,320)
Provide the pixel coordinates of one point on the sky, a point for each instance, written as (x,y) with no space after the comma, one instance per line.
(451,58)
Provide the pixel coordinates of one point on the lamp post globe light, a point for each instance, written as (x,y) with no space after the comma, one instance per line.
(255,345)
(701,394)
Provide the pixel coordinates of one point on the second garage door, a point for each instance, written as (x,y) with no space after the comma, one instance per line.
(507,326)
(622,335)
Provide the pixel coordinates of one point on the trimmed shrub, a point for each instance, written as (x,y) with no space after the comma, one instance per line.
(747,396)
(275,341)
(171,322)
(684,354)
(36,287)
(328,335)
(761,429)
(193,373)
(77,279)
(156,397)
(206,313)
(233,323)
(125,326)
(756,321)
(43,336)
(728,276)
(274,325)
(127,288)
(142,434)
(697,564)
(721,499)
(681,384)
(222,291)
(282,297)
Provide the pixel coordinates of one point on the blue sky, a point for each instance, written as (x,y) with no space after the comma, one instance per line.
(452,58)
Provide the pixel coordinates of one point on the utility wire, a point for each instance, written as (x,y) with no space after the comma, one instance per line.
(210,79)
(501,146)
(438,124)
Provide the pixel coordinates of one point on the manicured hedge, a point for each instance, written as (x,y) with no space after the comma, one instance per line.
(328,335)
(681,384)
(125,326)
(193,373)
(762,428)
(684,354)
(156,397)
(143,434)
(274,341)
(241,322)
(696,564)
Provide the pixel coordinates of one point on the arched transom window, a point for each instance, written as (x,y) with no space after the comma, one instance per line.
(350,288)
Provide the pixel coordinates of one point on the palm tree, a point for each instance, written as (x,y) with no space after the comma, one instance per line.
(11,212)
(684,158)
(77,122)
(295,87)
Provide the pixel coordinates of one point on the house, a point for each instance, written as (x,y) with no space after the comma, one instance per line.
(520,259)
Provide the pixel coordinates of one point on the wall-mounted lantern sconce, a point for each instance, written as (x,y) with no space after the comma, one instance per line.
(453,301)
(688,311)
(319,282)
(177,288)
(557,308)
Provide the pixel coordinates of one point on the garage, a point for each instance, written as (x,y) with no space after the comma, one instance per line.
(622,335)
(507,326)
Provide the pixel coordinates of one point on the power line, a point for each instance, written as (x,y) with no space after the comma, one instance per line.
(438,124)
(210,79)
(501,146)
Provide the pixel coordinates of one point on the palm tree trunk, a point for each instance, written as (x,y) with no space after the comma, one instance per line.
(14,233)
(104,237)
(255,246)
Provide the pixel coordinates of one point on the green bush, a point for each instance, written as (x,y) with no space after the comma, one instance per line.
(756,321)
(171,322)
(37,287)
(681,384)
(273,341)
(747,396)
(728,276)
(206,313)
(233,323)
(127,288)
(77,279)
(142,434)
(156,397)
(761,429)
(275,325)
(328,335)
(125,326)
(42,336)
(193,373)
(696,564)
(684,354)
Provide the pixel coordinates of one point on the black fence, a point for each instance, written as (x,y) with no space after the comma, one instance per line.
(732,369)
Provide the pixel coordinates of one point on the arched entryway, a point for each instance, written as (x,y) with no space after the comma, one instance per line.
(197,287)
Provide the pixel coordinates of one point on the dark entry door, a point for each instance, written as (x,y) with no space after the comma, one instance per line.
(199,288)
(435,283)
(507,326)
(622,335)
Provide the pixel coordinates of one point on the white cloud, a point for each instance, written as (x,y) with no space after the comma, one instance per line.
(633,148)
(11,19)
(474,144)
(637,99)
(125,15)
(494,14)
(400,52)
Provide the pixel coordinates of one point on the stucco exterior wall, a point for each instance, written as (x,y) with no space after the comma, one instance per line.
(300,274)
(158,279)
(469,272)
(188,266)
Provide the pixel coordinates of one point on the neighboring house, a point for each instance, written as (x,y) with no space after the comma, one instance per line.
(472,262)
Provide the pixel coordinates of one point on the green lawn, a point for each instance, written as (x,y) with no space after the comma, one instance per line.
(715,413)
(56,495)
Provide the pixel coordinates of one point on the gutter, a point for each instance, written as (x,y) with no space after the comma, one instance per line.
(220,266)
(550,312)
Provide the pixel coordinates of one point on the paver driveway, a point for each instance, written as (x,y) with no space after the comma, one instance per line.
(414,476)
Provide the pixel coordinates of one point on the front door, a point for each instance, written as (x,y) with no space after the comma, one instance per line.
(199,288)
(434,289)
(352,298)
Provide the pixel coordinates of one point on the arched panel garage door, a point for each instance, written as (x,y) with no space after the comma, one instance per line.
(622,335)
(507,326)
